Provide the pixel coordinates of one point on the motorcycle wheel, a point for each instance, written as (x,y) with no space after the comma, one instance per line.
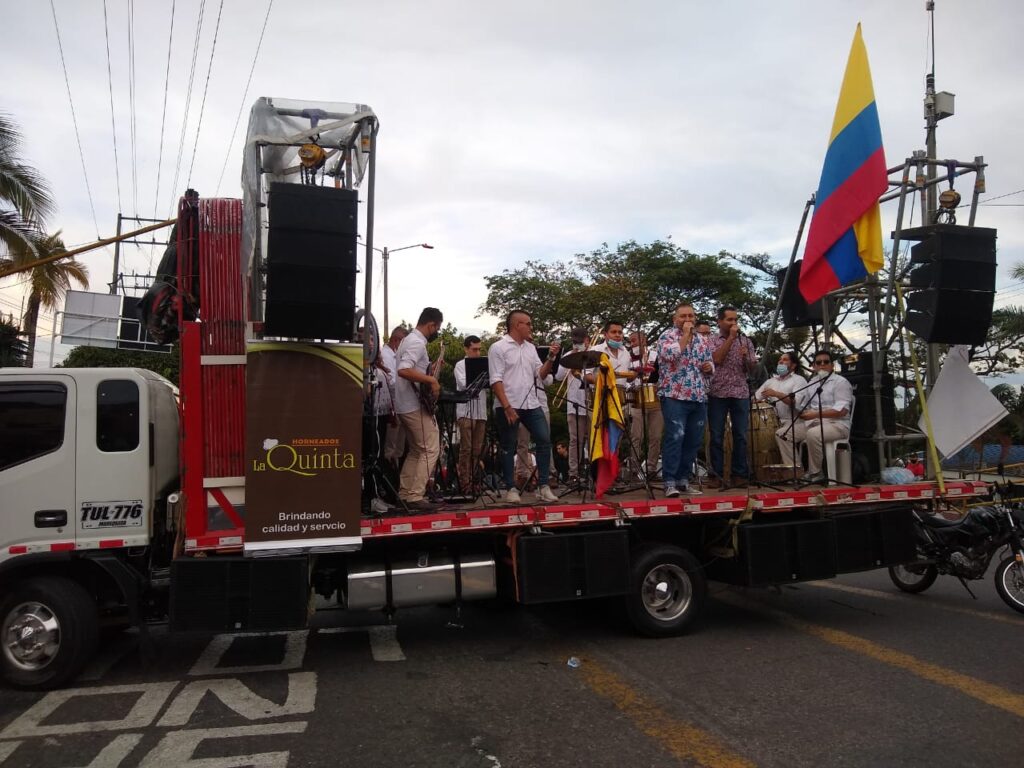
(913,578)
(1009,578)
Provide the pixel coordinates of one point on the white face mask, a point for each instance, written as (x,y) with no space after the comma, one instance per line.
(635,350)
(782,369)
(579,347)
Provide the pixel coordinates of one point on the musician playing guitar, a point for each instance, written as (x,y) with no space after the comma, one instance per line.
(417,419)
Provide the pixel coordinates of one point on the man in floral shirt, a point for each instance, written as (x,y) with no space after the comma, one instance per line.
(683,359)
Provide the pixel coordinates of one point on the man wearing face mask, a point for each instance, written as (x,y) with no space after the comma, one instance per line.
(614,346)
(646,417)
(420,426)
(779,390)
(575,406)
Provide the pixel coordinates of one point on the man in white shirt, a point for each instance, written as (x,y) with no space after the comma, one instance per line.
(471,418)
(514,368)
(780,391)
(419,423)
(825,419)
(575,406)
(389,427)
(646,415)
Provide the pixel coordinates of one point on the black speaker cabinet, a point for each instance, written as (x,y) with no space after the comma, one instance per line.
(225,594)
(311,262)
(864,404)
(876,539)
(947,316)
(777,553)
(797,313)
(573,566)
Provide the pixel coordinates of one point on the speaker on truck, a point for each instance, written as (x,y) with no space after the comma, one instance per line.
(953,269)
(796,312)
(311,262)
(572,566)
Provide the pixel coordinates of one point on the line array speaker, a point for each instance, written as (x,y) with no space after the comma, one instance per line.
(311,262)
(954,270)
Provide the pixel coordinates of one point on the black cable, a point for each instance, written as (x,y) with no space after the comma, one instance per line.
(245,94)
(110,89)
(206,87)
(188,99)
(74,120)
(131,104)
(163,120)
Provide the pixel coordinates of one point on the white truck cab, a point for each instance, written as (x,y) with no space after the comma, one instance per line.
(87,456)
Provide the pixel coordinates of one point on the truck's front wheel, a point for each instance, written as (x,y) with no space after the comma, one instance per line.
(667,590)
(48,631)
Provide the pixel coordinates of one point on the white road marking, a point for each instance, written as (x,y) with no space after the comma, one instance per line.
(116,751)
(475,742)
(383,640)
(236,695)
(880,595)
(177,747)
(6,748)
(142,713)
(294,653)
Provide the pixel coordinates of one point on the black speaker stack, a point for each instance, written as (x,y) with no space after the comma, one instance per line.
(311,262)
(861,375)
(952,283)
(797,313)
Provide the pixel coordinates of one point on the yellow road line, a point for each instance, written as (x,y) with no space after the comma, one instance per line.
(879,594)
(985,692)
(685,741)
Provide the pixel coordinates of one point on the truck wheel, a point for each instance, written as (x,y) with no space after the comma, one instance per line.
(913,578)
(48,631)
(667,590)
(1010,583)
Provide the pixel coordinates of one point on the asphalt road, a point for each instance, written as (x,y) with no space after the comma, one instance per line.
(843,673)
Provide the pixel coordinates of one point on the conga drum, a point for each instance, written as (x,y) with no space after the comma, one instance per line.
(764,421)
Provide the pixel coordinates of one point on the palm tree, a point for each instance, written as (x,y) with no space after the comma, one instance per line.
(49,281)
(12,347)
(25,199)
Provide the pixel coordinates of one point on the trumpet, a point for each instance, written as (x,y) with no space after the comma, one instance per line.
(558,401)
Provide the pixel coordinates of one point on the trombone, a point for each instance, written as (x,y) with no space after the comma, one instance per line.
(558,401)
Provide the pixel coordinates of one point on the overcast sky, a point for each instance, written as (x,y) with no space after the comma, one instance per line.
(514,131)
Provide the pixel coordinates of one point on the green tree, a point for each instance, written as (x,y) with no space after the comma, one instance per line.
(639,284)
(25,200)
(167,365)
(49,282)
(13,348)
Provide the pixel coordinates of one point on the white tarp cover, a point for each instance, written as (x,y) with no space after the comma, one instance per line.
(960,405)
(277,129)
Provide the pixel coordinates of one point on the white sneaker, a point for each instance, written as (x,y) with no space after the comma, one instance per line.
(546,494)
(512,496)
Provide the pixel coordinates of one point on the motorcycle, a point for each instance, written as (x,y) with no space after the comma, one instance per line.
(964,548)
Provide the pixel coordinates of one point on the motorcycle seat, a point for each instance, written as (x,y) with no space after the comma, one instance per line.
(937,521)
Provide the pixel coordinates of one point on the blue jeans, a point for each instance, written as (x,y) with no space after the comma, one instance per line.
(535,423)
(684,431)
(738,409)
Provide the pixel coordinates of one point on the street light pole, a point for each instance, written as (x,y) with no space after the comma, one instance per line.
(384,253)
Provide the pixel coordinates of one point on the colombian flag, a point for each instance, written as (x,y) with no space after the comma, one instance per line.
(845,241)
(606,427)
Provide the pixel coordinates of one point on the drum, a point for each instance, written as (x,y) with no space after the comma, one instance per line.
(760,438)
(648,397)
(627,396)
(763,423)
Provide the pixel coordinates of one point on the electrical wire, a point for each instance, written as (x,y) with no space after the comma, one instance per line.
(110,88)
(131,104)
(74,119)
(999,197)
(206,87)
(188,101)
(245,94)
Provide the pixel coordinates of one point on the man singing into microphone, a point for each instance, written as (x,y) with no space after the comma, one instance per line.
(825,413)
(735,359)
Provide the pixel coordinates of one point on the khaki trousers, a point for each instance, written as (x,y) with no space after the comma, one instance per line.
(810,432)
(424,448)
(471,446)
(655,428)
(578,438)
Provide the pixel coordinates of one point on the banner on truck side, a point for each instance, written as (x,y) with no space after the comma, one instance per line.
(304,405)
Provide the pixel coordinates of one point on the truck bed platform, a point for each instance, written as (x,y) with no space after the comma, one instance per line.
(489,513)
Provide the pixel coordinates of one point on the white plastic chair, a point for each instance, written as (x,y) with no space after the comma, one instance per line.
(830,447)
